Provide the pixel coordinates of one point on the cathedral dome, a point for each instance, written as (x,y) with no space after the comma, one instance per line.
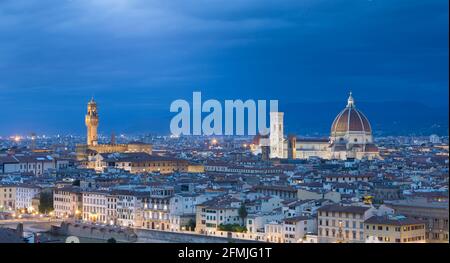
(351,120)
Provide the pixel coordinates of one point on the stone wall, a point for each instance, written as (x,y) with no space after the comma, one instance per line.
(155,236)
(94,232)
(137,235)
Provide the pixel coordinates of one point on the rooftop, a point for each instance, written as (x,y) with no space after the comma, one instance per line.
(393,220)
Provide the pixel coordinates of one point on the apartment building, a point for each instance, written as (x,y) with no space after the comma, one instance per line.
(348,178)
(7,197)
(134,162)
(128,206)
(68,202)
(218,211)
(226,168)
(296,228)
(255,222)
(284,192)
(18,197)
(182,208)
(274,232)
(96,207)
(24,197)
(34,164)
(433,213)
(394,229)
(156,208)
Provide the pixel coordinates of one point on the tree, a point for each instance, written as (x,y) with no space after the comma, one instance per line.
(45,202)
(191,224)
(111,240)
(242,213)
(232,228)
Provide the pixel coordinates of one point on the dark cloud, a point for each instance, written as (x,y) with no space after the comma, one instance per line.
(136,56)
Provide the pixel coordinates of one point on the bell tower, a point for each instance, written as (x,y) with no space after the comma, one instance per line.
(92,123)
(276,136)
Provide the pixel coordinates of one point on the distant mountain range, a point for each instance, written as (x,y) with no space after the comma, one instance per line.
(387,118)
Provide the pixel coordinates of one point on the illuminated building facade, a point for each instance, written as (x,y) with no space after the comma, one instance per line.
(350,138)
(92,147)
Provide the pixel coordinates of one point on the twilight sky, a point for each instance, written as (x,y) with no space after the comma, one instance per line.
(137,56)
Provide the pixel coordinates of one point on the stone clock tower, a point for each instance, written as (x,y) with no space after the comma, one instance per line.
(92,123)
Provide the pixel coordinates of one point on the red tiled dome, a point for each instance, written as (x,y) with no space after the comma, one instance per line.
(350,120)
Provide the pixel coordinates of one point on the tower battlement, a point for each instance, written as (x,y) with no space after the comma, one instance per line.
(92,123)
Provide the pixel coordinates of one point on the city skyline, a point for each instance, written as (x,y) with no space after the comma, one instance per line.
(241,122)
(402,120)
(387,53)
